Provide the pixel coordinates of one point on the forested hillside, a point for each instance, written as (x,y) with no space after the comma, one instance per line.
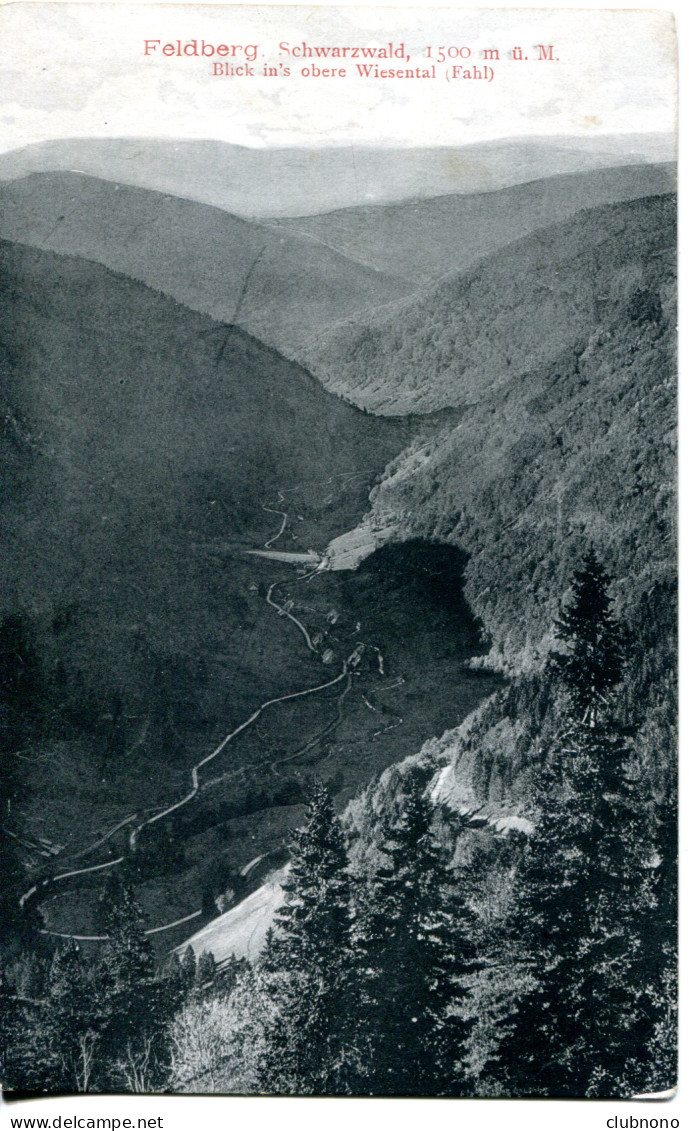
(494,911)
(578,450)
(565,778)
(521,308)
(289,281)
(138,437)
(279,286)
(422,240)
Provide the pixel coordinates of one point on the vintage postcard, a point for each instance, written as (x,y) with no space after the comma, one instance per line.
(338,630)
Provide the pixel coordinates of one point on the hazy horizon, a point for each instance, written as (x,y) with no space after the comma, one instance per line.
(298,181)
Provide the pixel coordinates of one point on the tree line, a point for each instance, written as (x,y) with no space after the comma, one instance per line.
(371,980)
(367,985)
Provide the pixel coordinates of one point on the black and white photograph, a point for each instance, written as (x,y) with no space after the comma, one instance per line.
(338,570)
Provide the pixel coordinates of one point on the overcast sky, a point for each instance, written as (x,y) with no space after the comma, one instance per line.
(79,70)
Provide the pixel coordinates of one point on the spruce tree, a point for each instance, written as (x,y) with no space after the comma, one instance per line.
(55,1030)
(592,662)
(586,891)
(127,960)
(315,920)
(415,936)
(307,966)
(205,972)
(72,1022)
(189,968)
(134,1004)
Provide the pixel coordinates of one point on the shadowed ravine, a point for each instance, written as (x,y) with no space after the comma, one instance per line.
(398,583)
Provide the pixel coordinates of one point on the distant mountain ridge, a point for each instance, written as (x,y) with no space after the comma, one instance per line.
(421,240)
(291,283)
(260,182)
(516,310)
(280,287)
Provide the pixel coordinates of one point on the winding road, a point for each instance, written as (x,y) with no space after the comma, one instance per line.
(226,740)
(345,676)
(283,612)
(285,518)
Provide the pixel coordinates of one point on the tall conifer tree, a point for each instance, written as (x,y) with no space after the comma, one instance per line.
(586,891)
(591,664)
(308,964)
(415,938)
(132,1001)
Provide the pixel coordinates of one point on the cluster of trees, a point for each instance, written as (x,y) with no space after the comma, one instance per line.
(591,915)
(73,1025)
(355,984)
(371,981)
(368,984)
